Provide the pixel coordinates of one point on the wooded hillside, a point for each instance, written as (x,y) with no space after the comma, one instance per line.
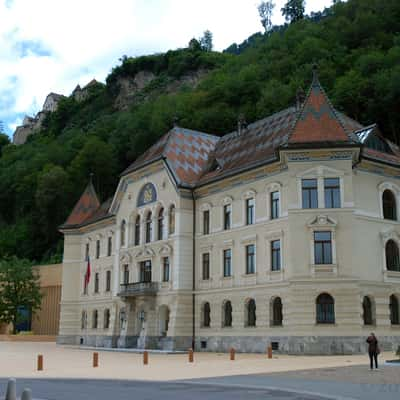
(356,45)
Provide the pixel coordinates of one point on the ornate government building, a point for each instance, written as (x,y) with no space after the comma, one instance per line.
(286,231)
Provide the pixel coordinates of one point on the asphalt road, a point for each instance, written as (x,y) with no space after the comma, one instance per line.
(73,389)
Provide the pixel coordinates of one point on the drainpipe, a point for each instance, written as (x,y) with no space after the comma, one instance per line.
(194,273)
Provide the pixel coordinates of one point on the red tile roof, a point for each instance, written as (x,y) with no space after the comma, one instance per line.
(318,121)
(84,208)
(185,151)
(197,158)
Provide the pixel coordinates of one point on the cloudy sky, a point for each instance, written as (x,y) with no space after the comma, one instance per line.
(52,45)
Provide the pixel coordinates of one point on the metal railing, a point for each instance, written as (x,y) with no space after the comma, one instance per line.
(138,289)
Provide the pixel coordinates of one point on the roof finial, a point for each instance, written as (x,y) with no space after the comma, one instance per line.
(300,97)
(315,71)
(91,175)
(241,123)
(175,121)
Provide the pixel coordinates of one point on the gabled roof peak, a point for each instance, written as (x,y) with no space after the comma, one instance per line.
(317,120)
(87,204)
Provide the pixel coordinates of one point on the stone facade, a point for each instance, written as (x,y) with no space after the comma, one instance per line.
(262,277)
(32,124)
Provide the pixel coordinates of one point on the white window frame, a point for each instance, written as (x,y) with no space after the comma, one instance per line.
(395,189)
(392,234)
(274,187)
(247,195)
(323,223)
(205,207)
(228,200)
(270,237)
(320,173)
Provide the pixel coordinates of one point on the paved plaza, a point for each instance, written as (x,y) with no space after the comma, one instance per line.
(68,374)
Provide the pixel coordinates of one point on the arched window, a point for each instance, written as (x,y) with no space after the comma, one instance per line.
(389,205)
(95,319)
(251,313)
(206,315)
(277,312)
(394,310)
(123,232)
(325,309)
(137,231)
(227,314)
(367,311)
(149,227)
(392,256)
(161,224)
(171,222)
(84,320)
(106,318)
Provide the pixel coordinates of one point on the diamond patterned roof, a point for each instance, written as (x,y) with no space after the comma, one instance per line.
(185,151)
(318,121)
(84,208)
(197,158)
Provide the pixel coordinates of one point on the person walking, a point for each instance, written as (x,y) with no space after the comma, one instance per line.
(373,350)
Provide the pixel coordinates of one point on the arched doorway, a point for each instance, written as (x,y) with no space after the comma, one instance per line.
(163,318)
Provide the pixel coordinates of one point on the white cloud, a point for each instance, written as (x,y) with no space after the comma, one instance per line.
(50,46)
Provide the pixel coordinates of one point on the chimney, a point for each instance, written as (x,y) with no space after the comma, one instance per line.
(242,125)
(300,97)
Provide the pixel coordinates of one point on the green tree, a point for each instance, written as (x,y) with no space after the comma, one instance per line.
(4,140)
(293,10)
(194,45)
(19,288)
(52,195)
(206,41)
(265,9)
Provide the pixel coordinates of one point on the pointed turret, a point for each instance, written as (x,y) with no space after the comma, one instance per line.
(318,121)
(85,207)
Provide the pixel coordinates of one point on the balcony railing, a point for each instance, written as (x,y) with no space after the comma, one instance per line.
(138,289)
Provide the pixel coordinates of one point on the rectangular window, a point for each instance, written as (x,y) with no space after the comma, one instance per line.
(97,248)
(228,262)
(87,251)
(274,205)
(137,231)
(126,274)
(149,230)
(166,269)
(276,255)
(96,282)
(227,216)
(206,266)
(309,193)
(323,247)
(145,271)
(250,211)
(206,222)
(332,192)
(108,281)
(250,259)
(109,246)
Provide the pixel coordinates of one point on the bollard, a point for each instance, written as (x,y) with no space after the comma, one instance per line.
(11,393)
(232,352)
(26,394)
(190,355)
(269,351)
(40,362)
(95,359)
(145,357)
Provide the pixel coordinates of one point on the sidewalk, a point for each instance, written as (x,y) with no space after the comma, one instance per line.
(19,360)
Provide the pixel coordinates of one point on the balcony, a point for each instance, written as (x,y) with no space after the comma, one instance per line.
(138,289)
